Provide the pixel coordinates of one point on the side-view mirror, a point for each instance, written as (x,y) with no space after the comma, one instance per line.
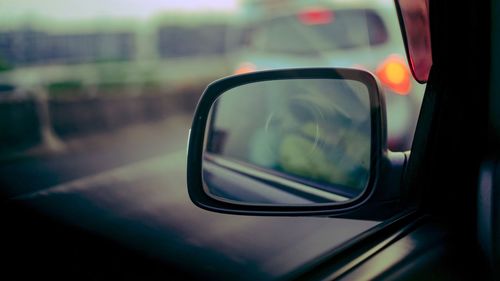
(294,142)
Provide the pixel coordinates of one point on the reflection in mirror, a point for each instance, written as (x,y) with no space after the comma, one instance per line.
(297,141)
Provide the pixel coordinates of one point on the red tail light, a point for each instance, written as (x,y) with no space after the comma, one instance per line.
(313,16)
(245,67)
(395,75)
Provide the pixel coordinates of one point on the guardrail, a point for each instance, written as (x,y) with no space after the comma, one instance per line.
(51,103)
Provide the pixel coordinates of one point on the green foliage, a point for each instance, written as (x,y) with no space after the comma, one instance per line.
(4,66)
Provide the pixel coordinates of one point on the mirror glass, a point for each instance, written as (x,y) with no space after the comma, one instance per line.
(289,142)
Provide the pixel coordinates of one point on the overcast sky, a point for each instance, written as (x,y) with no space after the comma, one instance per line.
(85,9)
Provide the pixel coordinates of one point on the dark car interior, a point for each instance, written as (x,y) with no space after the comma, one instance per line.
(98,231)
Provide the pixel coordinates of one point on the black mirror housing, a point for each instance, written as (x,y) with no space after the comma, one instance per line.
(378,199)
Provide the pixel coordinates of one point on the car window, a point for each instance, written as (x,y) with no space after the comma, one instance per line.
(314,31)
(104,91)
(86,92)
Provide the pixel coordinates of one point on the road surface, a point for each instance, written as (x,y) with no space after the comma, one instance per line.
(88,155)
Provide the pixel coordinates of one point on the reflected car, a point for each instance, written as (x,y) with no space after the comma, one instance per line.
(359,34)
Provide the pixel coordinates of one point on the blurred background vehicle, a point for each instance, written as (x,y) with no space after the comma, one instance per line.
(331,33)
